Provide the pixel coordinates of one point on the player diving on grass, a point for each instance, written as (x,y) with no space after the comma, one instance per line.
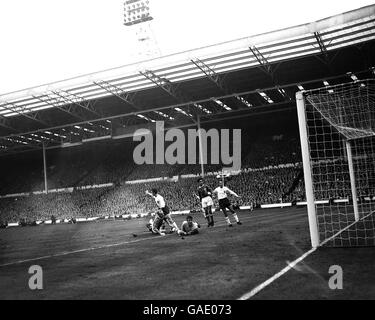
(162,214)
(190,227)
(204,195)
(222,194)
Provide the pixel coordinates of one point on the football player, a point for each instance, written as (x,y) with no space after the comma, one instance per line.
(156,225)
(221,191)
(163,212)
(204,195)
(189,227)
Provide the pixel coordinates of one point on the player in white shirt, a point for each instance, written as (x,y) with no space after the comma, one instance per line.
(189,227)
(163,213)
(224,203)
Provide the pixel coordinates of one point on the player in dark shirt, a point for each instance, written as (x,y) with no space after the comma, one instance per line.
(204,195)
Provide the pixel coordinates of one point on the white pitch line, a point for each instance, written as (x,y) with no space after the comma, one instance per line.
(291,265)
(90,249)
(72,252)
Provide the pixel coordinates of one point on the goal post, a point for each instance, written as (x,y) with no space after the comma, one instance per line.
(352,179)
(337,135)
(302,123)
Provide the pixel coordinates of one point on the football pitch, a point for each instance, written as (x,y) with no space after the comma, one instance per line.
(122,260)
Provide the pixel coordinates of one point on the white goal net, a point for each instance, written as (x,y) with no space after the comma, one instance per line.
(337,129)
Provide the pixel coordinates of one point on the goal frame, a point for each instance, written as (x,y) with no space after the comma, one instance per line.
(307,170)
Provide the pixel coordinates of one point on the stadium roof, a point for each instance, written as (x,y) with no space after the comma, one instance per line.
(230,79)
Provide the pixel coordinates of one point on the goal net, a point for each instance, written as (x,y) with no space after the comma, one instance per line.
(337,131)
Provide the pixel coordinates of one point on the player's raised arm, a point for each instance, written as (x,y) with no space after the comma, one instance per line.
(150,194)
(233,193)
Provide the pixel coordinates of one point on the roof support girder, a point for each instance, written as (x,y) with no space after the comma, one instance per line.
(173,91)
(32,115)
(211,74)
(58,102)
(123,95)
(7,124)
(321,44)
(214,77)
(164,84)
(71,98)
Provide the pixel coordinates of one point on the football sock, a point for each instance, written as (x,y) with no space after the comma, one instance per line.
(227,220)
(175,226)
(208,218)
(236,217)
(212,220)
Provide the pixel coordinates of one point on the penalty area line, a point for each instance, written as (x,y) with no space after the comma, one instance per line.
(292,264)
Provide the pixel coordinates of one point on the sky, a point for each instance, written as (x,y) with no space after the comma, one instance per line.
(43,41)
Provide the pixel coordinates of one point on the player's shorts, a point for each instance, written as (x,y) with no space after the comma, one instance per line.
(224,203)
(162,212)
(165,210)
(158,222)
(207,201)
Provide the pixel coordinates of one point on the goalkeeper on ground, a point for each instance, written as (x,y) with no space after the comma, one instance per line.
(189,227)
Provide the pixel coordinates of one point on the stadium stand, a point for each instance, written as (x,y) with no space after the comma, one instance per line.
(101,179)
(264,179)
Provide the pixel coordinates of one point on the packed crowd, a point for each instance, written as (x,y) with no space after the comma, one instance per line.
(255,187)
(42,207)
(260,182)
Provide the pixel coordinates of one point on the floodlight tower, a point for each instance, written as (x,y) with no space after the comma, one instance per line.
(137,16)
